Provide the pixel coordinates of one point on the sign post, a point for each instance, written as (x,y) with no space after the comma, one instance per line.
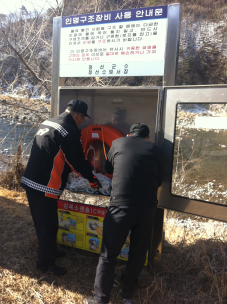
(133,42)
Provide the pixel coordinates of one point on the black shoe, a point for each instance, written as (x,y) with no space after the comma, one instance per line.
(60,254)
(54,269)
(90,300)
(57,270)
(127,290)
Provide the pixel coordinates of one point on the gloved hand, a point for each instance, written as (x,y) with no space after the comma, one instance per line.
(96,184)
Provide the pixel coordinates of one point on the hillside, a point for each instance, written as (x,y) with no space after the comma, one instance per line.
(26,46)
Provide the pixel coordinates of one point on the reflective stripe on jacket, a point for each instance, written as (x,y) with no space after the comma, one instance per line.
(56,151)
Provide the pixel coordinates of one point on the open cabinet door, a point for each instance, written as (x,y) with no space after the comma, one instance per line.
(194,140)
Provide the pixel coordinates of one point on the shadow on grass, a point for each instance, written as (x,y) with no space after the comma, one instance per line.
(19,247)
(191,274)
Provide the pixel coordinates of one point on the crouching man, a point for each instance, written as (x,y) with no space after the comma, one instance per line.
(136,165)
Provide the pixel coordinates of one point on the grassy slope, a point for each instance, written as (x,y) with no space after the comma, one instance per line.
(194,270)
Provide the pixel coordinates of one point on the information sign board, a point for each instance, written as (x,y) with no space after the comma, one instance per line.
(117,43)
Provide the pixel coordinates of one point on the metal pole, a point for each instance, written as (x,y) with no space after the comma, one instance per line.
(158,236)
(169,79)
(172,45)
(55,65)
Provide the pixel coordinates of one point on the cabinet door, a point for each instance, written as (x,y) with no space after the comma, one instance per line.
(194,140)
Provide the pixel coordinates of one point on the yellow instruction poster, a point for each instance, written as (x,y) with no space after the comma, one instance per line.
(81,226)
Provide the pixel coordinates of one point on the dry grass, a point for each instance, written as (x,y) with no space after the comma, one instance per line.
(194,269)
(10,178)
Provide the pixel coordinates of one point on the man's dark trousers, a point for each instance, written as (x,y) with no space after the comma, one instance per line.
(117,223)
(44,214)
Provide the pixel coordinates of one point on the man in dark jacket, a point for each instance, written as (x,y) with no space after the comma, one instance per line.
(56,151)
(137,167)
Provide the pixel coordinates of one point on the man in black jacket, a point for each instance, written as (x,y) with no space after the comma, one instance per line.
(56,151)
(136,165)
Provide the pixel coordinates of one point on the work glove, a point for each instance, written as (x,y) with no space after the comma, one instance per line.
(96,184)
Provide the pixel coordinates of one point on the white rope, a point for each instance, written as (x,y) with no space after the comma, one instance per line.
(78,183)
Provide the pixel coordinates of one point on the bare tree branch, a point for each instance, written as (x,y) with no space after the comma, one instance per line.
(39,32)
(24,62)
(50,46)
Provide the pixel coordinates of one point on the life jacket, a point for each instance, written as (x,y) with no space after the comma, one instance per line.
(100,138)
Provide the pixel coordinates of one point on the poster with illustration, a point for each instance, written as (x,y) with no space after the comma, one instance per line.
(95,226)
(71,223)
(81,226)
(61,219)
(68,238)
(93,243)
(128,237)
(66,220)
(124,251)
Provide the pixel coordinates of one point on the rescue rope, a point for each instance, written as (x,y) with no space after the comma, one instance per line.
(91,148)
(104,150)
(78,183)
(85,145)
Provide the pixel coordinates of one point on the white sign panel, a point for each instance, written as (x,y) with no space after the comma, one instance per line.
(118,43)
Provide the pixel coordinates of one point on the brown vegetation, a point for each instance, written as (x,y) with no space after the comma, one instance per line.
(26,44)
(194,269)
(11,177)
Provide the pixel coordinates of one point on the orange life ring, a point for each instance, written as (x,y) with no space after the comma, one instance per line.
(100,137)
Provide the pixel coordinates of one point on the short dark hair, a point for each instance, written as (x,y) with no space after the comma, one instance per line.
(139,129)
